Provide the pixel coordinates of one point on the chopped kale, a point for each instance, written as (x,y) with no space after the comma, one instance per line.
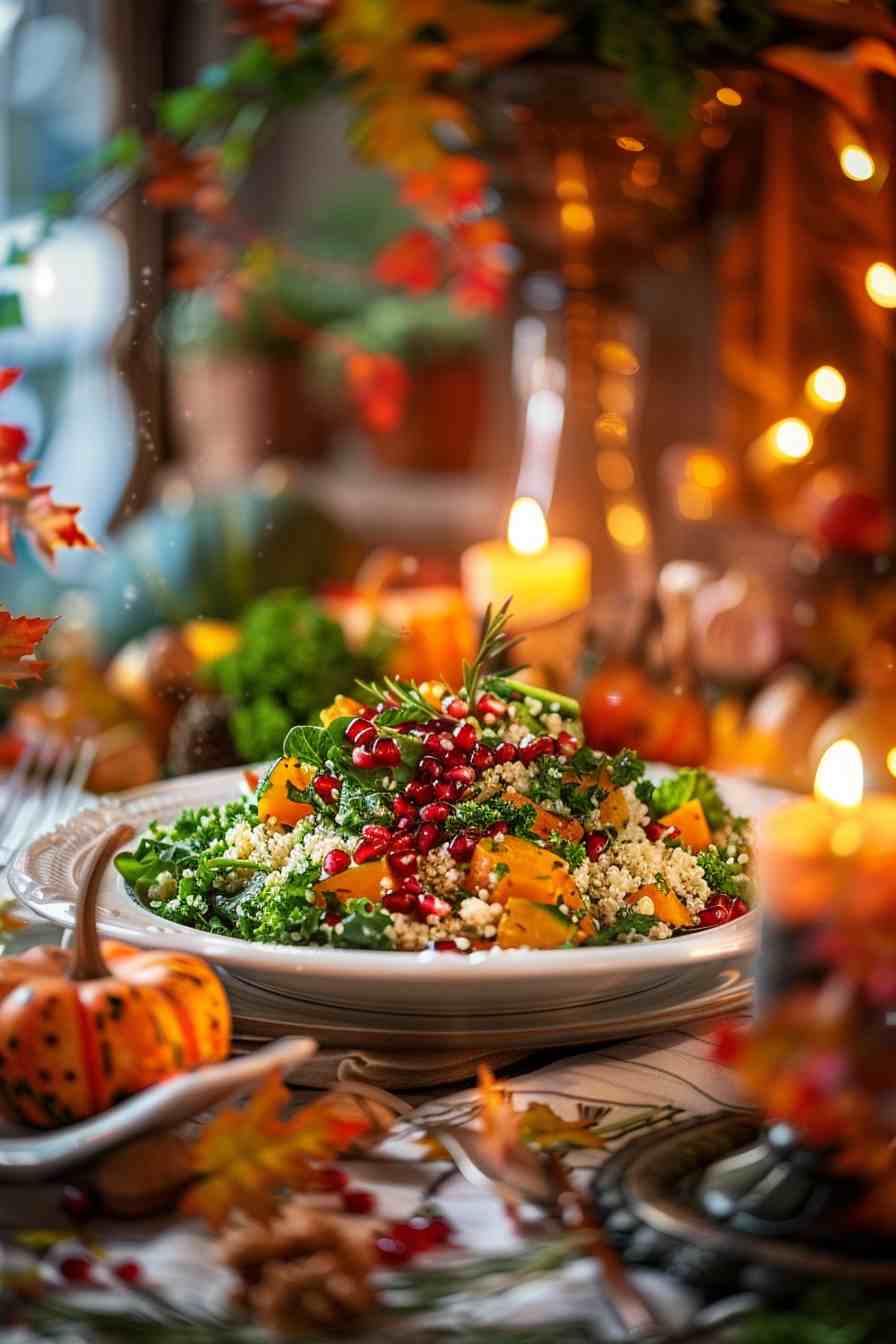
(627,922)
(572,851)
(480,816)
(625,767)
(364,926)
(552,783)
(360,806)
(681,787)
(724,874)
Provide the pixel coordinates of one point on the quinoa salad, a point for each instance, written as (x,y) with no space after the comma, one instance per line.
(415,817)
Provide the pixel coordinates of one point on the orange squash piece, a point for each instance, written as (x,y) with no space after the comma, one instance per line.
(360,882)
(547,823)
(666,905)
(614,809)
(343,707)
(273,794)
(691,822)
(525,870)
(527,923)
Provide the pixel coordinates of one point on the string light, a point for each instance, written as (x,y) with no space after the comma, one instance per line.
(630,144)
(880,283)
(614,469)
(826,388)
(627,526)
(577,217)
(707,471)
(729,97)
(791,438)
(856,163)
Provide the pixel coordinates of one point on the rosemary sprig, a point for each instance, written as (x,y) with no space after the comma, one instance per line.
(407,693)
(495,645)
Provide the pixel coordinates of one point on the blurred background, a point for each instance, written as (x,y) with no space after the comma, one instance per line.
(688,394)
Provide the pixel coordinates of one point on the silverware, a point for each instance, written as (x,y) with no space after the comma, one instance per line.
(45,787)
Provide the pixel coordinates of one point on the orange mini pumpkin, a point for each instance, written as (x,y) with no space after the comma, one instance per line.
(80,1033)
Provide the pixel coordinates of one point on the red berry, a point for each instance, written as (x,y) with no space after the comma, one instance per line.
(505,752)
(463,844)
(421,1234)
(455,758)
(497,828)
(403,863)
(419,792)
(739,908)
(567,744)
(332,1178)
(427,837)
(672,833)
(327,787)
(369,712)
(403,807)
(457,709)
(481,758)
(596,843)
(405,823)
(128,1271)
(654,831)
(359,731)
(401,843)
(77,1203)
(713,915)
(366,850)
(428,904)
(336,862)
(399,902)
(465,736)
(465,774)
(437,812)
(445,945)
(391,1251)
(374,831)
(76,1268)
(429,767)
(444,791)
(533,747)
(358,1201)
(364,759)
(438,744)
(411,886)
(386,751)
(490,704)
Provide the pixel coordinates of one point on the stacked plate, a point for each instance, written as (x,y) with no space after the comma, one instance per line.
(424,1016)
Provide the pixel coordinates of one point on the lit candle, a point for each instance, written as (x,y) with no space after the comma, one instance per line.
(821,858)
(547,578)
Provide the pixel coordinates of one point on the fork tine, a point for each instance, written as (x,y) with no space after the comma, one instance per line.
(15,794)
(27,817)
(53,787)
(72,795)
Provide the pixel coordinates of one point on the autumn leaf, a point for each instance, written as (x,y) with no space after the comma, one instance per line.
(8,377)
(379,385)
(276,22)
(19,636)
(412,262)
(542,1128)
(179,178)
(489,35)
(13,441)
(54,527)
(245,1156)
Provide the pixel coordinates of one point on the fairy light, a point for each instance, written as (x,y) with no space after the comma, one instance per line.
(791,439)
(729,97)
(527,529)
(627,526)
(577,217)
(891,761)
(856,163)
(614,469)
(630,143)
(880,284)
(826,388)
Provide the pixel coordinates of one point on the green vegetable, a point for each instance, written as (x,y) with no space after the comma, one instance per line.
(625,767)
(724,874)
(291,662)
(511,690)
(327,748)
(197,834)
(572,851)
(364,926)
(627,922)
(361,805)
(480,816)
(682,787)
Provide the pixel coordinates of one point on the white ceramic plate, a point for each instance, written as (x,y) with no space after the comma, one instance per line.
(47,877)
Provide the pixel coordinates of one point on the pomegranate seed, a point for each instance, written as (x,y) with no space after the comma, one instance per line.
(672,833)
(534,747)
(391,1251)
(399,902)
(445,945)
(717,898)
(505,752)
(364,759)
(596,843)
(457,709)
(402,843)
(327,787)
(464,773)
(465,736)
(336,862)
(358,1201)
(128,1271)
(403,863)
(360,728)
(714,914)
(482,758)
(444,792)
(490,704)
(77,1203)
(428,904)
(429,767)
(440,744)
(386,751)
(455,758)
(405,823)
(333,1179)
(654,831)
(437,812)
(411,886)
(332,920)
(421,1234)
(419,792)
(76,1268)
(456,790)
(497,828)
(365,850)
(567,744)
(373,831)
(427,837)
(369,712)
(408,727)
(441,1229)
(403,807)
(739,908)
(463,844)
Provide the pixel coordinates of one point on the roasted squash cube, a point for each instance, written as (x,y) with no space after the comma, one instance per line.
(547,823)
(666,905)
(533,924)
(343,707)
(273,791)
(614,809)
(363,881)
(524,870)
(691,822)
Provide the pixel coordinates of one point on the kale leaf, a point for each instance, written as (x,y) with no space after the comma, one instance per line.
(686,784)
(364,926)
(627,922)
(480,816)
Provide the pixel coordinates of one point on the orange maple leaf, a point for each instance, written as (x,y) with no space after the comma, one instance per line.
(54,527)
(244,1157)
(411,262)
(19,636)
(8,377)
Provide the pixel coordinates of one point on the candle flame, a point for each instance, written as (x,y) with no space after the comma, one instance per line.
(840,778)
(527,530)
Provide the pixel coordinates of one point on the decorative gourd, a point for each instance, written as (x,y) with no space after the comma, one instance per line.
(533,924)
(524,870)
(547,823)
(273,791)
(79,1034)
(343,707)
(690,820)
(666,905)
(362,882)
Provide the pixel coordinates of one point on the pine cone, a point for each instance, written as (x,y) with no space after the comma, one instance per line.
(303,1271)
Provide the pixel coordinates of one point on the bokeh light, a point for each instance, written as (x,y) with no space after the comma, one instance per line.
(577,217)
(627,525)
(791,438)
(614,469)
(880,283)
(729,97)
(527,530)
(857,163)
(826,388)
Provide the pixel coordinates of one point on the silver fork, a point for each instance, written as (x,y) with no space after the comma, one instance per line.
(43,789)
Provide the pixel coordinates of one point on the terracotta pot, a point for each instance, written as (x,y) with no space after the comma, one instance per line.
(443,418)
(233,412)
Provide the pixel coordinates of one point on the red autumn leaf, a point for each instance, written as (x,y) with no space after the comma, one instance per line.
(8,377)
(19,636)
(276,22)
(411,262)
(456,185)
(53,527)
(197,261)
(182,179)
(379,385)
(13,440)
(480,288)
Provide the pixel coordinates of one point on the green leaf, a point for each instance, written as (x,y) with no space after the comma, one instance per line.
(625,767)
(508,687)
(17,256)
(253,63)
(360,805)
(186,112)
(364,926)
(10,311)
(685,785)
(124,150)
(627,922)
